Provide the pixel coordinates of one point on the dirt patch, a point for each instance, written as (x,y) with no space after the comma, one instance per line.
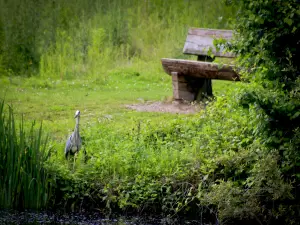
(167,107)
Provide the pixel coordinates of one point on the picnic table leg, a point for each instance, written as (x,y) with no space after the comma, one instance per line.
(181,89)
(205,84)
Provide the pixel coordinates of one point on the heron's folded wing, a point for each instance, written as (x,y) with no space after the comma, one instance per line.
(68,144)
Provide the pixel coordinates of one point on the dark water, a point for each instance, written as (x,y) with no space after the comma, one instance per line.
(34,218)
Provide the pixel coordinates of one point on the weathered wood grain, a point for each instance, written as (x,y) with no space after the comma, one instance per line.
(199,69)
(199,41)
(180,85)
(183,95)
(177,78)
(181,88)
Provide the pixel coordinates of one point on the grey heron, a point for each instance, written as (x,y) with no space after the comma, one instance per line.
(73,144)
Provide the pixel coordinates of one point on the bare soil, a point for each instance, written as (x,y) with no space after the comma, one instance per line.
(167,107)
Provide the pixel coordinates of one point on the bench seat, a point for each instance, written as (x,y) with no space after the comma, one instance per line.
(192,79)
(199,69)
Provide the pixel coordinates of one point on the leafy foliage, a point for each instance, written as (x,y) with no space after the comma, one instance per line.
(267,41)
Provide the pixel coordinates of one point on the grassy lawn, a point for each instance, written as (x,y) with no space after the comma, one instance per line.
(55,101)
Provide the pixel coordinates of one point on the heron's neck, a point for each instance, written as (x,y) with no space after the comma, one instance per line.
(77,125)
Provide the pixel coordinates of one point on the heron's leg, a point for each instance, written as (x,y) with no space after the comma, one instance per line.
(66,155)
(74,161)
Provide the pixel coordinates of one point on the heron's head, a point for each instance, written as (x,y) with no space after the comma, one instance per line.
(77,114)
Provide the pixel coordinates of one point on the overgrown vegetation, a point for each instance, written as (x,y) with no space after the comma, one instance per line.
(237,160)
(268,44)
(24,182)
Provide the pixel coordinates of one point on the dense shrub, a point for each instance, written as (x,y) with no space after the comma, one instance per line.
(267,41)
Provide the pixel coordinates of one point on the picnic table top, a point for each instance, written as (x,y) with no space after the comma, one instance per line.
(199,41)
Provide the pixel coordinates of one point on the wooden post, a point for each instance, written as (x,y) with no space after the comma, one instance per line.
(181,88)
(205,84)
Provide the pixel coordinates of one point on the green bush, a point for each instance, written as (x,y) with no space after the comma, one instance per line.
(268,42)
(265,189)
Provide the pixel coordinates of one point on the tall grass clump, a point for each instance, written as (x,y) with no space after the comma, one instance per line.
(23,181)
(74,38)
(127,33)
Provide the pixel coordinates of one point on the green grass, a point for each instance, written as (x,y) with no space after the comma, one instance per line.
(101,103)
(54,101)
(123,145)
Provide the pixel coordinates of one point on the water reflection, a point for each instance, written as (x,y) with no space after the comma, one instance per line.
(34,218)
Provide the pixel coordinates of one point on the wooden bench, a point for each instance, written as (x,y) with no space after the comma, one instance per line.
(192,79)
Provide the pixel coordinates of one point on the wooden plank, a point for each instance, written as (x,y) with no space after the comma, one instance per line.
(179,78)
(199,41)
(183,95)
(226,34)
(180,86)
(199,69)
(179,82)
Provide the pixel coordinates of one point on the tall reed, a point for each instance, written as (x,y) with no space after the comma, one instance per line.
(125,33)
(24,183)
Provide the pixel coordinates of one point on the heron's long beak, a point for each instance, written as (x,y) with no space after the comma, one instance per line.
(77,114)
